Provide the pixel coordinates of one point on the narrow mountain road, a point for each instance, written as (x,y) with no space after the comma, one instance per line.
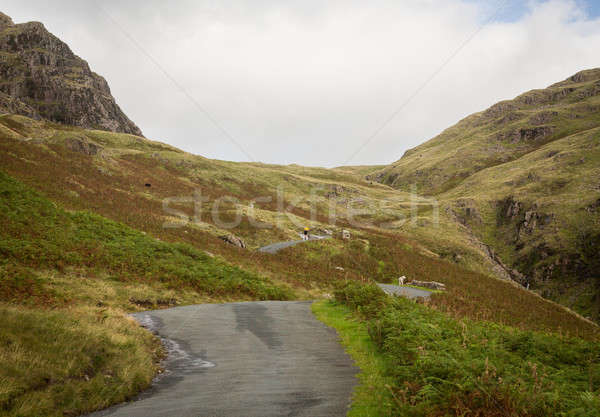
(275,247)
(404,291)
(254,359)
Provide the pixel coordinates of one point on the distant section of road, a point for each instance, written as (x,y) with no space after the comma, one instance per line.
(275,247)
(404,291)
(254,359)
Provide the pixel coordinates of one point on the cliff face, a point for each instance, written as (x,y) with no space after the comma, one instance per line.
(41,77)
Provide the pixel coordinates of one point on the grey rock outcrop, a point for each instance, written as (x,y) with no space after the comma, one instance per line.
(42,78)
(83,146)
(234,240)
(433,285)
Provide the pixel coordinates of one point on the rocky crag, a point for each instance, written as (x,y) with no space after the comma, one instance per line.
(40,77)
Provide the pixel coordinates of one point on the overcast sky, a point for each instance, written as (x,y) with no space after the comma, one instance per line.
(309,82)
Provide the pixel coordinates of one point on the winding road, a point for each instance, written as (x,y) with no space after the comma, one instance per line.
(398,290)
(404,291)
(254,359)
(275,247)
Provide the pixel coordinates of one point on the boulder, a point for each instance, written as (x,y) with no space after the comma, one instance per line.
(233,240)
(83,146)
(429,284)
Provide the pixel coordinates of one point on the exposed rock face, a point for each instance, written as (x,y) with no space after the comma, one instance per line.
(429,284)
(234,240)
(42,78)
(509,209)
(526,220)
(466,212)
(543,117)
(83,146)
(526,135)
(13,105)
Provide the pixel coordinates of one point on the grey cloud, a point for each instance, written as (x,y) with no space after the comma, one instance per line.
(309,81)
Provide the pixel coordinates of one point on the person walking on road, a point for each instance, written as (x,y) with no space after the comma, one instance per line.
(305,234)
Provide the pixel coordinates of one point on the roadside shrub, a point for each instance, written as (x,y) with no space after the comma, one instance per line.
(368,300)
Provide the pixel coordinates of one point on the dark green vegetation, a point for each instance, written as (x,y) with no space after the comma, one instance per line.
(523,177)
(436,365)
(372,397)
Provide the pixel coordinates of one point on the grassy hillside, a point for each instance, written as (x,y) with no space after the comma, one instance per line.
(418,362)
(85,238)
(503,133)
(66,280)
(107,173)
(522,177)
(542,214)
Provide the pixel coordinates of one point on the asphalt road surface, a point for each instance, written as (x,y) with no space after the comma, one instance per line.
(275,247)
(254,359)
(404,291)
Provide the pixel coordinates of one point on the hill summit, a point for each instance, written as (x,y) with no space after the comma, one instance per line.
(42,78)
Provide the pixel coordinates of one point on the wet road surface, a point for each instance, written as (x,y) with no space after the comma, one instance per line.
(254,359)
(404,291)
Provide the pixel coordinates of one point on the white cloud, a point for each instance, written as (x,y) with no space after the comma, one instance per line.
(309,81)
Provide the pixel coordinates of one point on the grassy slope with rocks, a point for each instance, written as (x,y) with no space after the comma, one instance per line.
(426,363)
(107,173)
(110,181)
(95,206)
(522,176)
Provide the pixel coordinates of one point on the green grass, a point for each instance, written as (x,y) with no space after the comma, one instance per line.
(37,235)
(372,397)
(441,366)
(69,361)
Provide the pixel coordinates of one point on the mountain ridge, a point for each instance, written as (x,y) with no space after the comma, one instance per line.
(532,105)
